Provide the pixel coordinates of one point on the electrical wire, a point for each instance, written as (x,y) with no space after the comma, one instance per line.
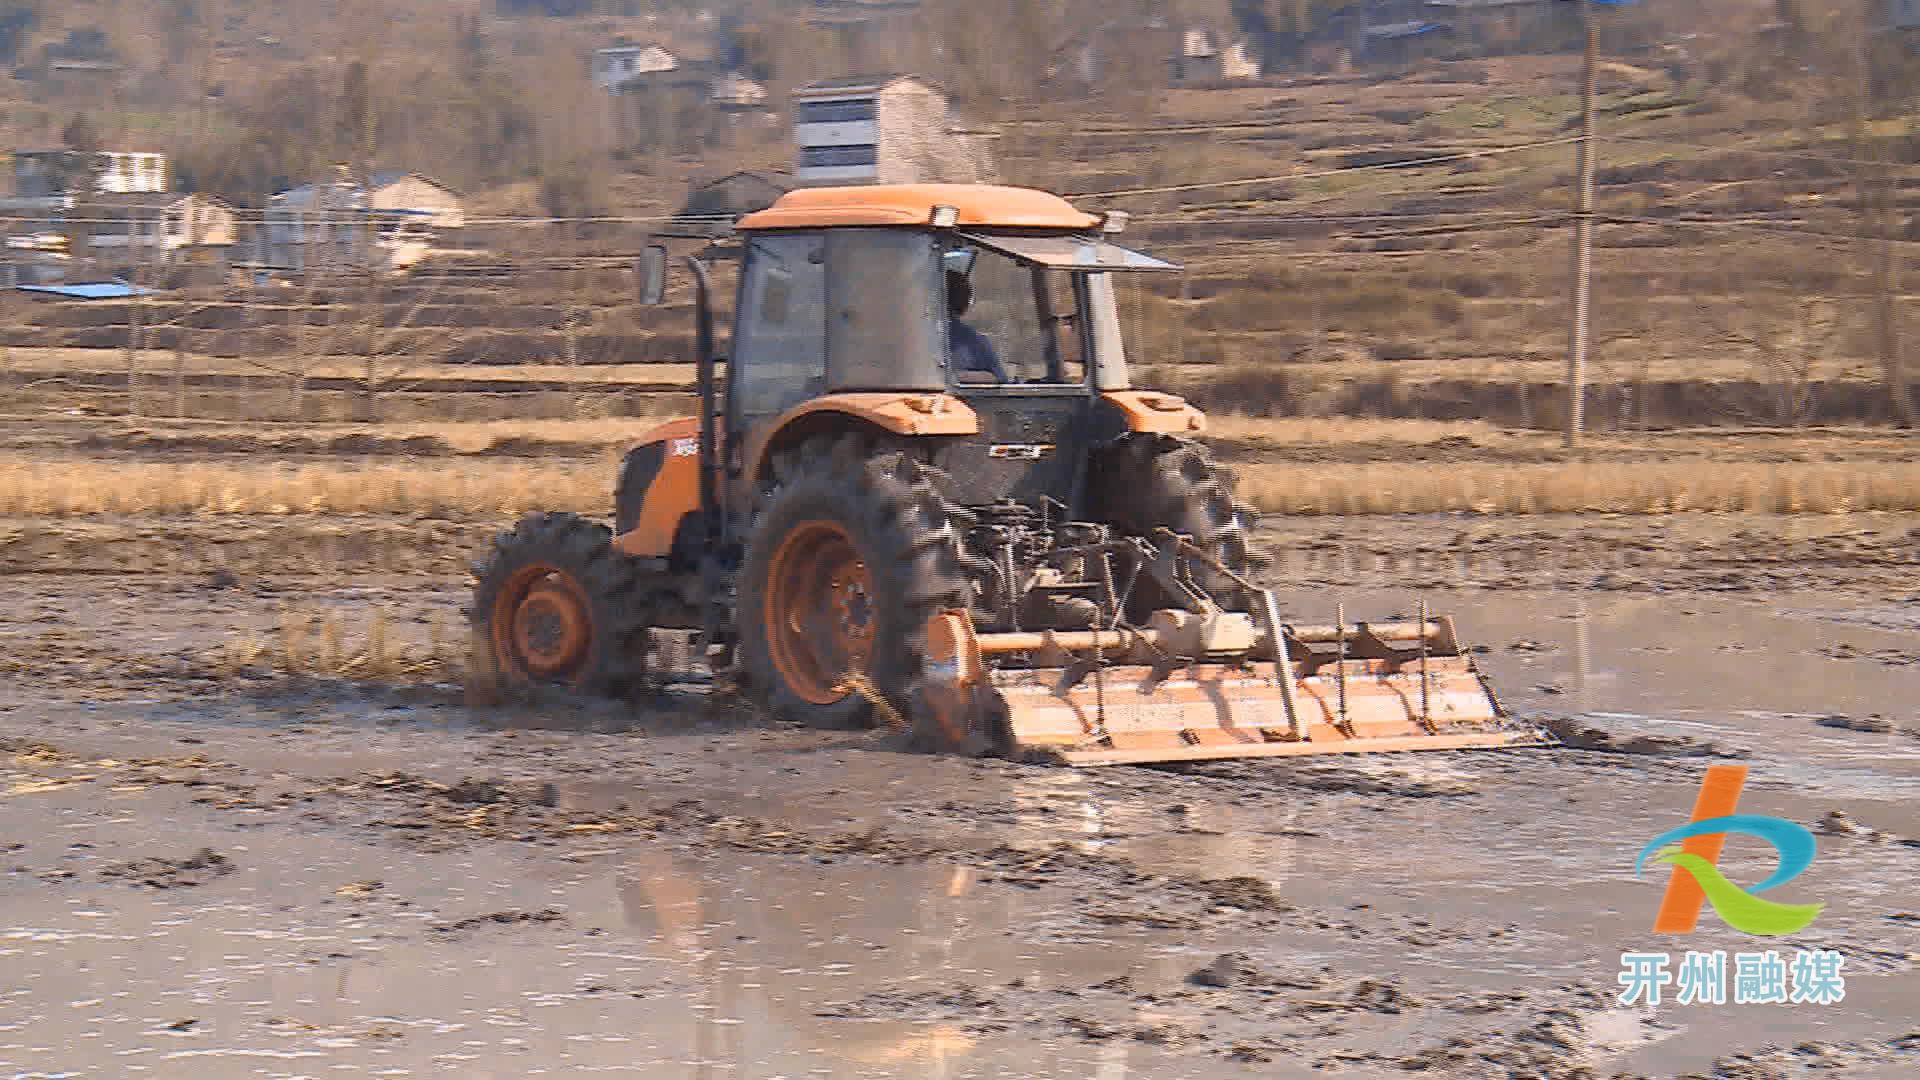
(1413,163)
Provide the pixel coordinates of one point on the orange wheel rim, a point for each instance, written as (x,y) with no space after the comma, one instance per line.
(541,623)
(820,618)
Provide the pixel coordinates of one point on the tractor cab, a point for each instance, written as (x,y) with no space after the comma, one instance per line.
(1001,298)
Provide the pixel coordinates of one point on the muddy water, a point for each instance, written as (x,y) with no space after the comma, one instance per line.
(638,959)
(350,938)
(1751,674)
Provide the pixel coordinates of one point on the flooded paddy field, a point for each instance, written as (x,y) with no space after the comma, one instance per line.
(209,875)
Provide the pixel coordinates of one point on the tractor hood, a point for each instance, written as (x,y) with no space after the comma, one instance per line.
(1064,252)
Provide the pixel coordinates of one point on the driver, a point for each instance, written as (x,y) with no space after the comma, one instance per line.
(971,351)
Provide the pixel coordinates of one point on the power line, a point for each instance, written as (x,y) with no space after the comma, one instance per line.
(1797,155)
(1749,226)
(292,218)
(1402,164)
(1281,219)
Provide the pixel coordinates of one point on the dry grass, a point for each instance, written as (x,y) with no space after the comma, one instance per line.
(452,490)
(503,490)
(1583,488)
(156,366)
(1346,429)
(310,643)
(463,436)
(483,434)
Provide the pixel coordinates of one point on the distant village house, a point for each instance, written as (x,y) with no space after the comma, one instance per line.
(410,192)
(1203,59)
(342,225)
(130,231)
(1899,14)
(1146,54)
(614,66)
(39,174)
(887,129)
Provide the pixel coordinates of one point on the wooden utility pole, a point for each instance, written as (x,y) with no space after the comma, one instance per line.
(1582,237)
(1874,193)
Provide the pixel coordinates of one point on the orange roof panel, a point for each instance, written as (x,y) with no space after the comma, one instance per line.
(980,205)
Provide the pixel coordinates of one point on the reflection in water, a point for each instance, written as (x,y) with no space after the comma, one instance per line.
(657,898)
(1582,652)
(885,970)
(1064,806)
(962,881)
(1113,1061)
(934,1050)
(1751,673)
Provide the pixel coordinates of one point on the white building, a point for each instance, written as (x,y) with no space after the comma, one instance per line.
(614,66)
(45,173)
(885,129)
(124,173)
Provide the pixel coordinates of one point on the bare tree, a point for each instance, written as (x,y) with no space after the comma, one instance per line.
(1787,353)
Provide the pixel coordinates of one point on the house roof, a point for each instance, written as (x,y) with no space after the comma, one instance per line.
(853,83)
(110,200)
(60,151)
(393,176)
(1394,31)
(92,290)
(979,205)
(640,48)
(305,193)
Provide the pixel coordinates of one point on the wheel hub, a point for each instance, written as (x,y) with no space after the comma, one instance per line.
(821,615)
(543,623)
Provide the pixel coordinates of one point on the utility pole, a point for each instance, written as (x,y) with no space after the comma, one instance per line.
(1582,237)
(1874,183)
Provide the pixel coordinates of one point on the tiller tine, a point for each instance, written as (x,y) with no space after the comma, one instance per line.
(1205,686)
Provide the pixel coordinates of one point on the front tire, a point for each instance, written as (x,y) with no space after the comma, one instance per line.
(851,553)
(556,605)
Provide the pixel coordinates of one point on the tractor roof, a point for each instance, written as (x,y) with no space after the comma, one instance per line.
(979,205)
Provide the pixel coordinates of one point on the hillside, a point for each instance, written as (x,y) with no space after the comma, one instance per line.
(1377,237)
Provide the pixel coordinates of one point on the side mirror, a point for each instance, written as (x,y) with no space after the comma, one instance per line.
(651,268)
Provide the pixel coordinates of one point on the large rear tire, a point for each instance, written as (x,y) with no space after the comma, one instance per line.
(555,604)
(1147,482)
(852,551)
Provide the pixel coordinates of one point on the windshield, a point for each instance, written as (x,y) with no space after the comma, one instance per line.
(1014,324)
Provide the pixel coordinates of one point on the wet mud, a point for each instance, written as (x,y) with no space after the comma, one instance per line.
(205,872)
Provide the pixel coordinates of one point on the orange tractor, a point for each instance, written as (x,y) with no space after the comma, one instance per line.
(925,491)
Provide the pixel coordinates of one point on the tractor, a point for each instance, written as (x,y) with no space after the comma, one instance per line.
(922,489)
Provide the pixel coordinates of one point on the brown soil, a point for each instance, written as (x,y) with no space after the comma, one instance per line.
(861,901)
(203,756)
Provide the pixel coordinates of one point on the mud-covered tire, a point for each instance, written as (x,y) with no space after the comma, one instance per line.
(555,604)
(1145,482)
(834,503)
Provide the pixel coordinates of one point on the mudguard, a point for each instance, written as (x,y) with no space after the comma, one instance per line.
(659,486)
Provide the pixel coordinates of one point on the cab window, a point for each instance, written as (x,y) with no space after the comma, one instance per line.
(1012,323)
